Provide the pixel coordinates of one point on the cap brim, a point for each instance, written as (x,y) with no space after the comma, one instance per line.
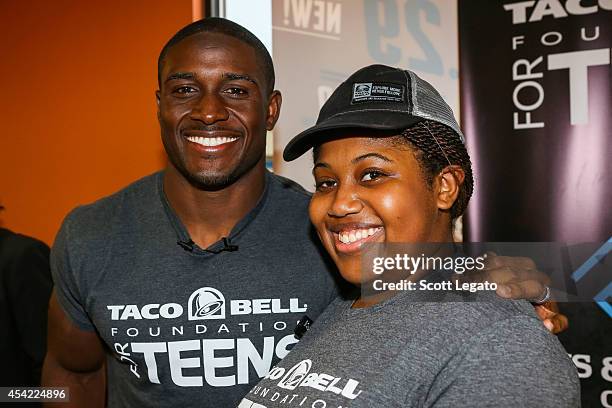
(342,125)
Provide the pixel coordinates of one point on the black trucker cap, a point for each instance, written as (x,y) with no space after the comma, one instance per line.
(378,98)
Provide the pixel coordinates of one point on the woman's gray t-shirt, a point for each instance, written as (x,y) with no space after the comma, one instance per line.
(405,353)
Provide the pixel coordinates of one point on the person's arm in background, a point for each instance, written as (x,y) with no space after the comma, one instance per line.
(29,285)
(513,363)
(75,359)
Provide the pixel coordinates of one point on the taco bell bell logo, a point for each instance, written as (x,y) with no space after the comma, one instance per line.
(206,303)
(295,375)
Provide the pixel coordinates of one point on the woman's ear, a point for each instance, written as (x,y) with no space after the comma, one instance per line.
(448,184)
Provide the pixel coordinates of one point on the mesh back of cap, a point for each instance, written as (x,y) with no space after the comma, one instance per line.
(427,103)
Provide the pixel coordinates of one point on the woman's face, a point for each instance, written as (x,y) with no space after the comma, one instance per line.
(372,190)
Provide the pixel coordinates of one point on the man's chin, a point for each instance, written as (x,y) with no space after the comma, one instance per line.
(210,180)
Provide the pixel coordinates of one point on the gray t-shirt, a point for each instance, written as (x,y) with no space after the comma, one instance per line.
(406,353)
(189,328)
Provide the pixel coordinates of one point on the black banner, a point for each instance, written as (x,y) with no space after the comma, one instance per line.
(536,107)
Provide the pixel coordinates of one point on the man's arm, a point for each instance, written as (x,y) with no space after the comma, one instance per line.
(519,278)
(75,359)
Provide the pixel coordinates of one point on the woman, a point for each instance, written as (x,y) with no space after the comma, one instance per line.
(390,166)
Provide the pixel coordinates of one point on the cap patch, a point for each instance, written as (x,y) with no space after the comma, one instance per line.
(378,91)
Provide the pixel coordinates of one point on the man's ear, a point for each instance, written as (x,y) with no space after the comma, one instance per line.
(448,184)
(157,100)
(274,106)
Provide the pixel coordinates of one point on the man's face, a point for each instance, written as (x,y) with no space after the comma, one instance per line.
(214,110)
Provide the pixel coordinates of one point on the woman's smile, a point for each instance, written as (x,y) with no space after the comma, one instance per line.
(349,238)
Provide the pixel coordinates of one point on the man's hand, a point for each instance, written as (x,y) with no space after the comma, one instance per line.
(519,278)
(555,321)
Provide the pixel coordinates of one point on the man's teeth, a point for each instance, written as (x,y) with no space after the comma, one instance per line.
(348,237)
(211,141)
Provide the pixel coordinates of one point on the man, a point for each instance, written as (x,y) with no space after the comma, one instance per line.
(189,282)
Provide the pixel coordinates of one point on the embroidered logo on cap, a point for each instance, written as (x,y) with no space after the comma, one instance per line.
(362,90)
(383,92)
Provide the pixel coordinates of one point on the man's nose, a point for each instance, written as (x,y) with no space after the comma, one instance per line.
(210,109)
(345,202)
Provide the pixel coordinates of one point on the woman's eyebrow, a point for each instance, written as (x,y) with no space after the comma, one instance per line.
(320,164)
(365,156)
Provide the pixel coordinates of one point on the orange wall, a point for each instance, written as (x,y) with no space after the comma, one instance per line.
(77,103)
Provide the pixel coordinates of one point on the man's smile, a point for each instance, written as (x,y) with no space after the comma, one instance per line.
(211,141)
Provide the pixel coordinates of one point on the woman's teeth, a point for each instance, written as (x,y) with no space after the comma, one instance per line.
(348,237)
(211,141)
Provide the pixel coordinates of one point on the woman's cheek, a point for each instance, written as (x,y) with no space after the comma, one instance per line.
(401,215)
(388,202)
(390,207)
(316,211)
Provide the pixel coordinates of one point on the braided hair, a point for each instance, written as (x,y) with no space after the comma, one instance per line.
(434,153)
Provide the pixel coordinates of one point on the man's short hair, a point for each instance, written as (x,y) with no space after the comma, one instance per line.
(229,28)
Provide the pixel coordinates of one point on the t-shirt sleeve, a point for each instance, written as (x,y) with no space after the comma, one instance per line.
(513,363)
(67,288)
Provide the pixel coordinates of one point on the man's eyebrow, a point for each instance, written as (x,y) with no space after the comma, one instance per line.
(235,76)
(365,156)
(180,75)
